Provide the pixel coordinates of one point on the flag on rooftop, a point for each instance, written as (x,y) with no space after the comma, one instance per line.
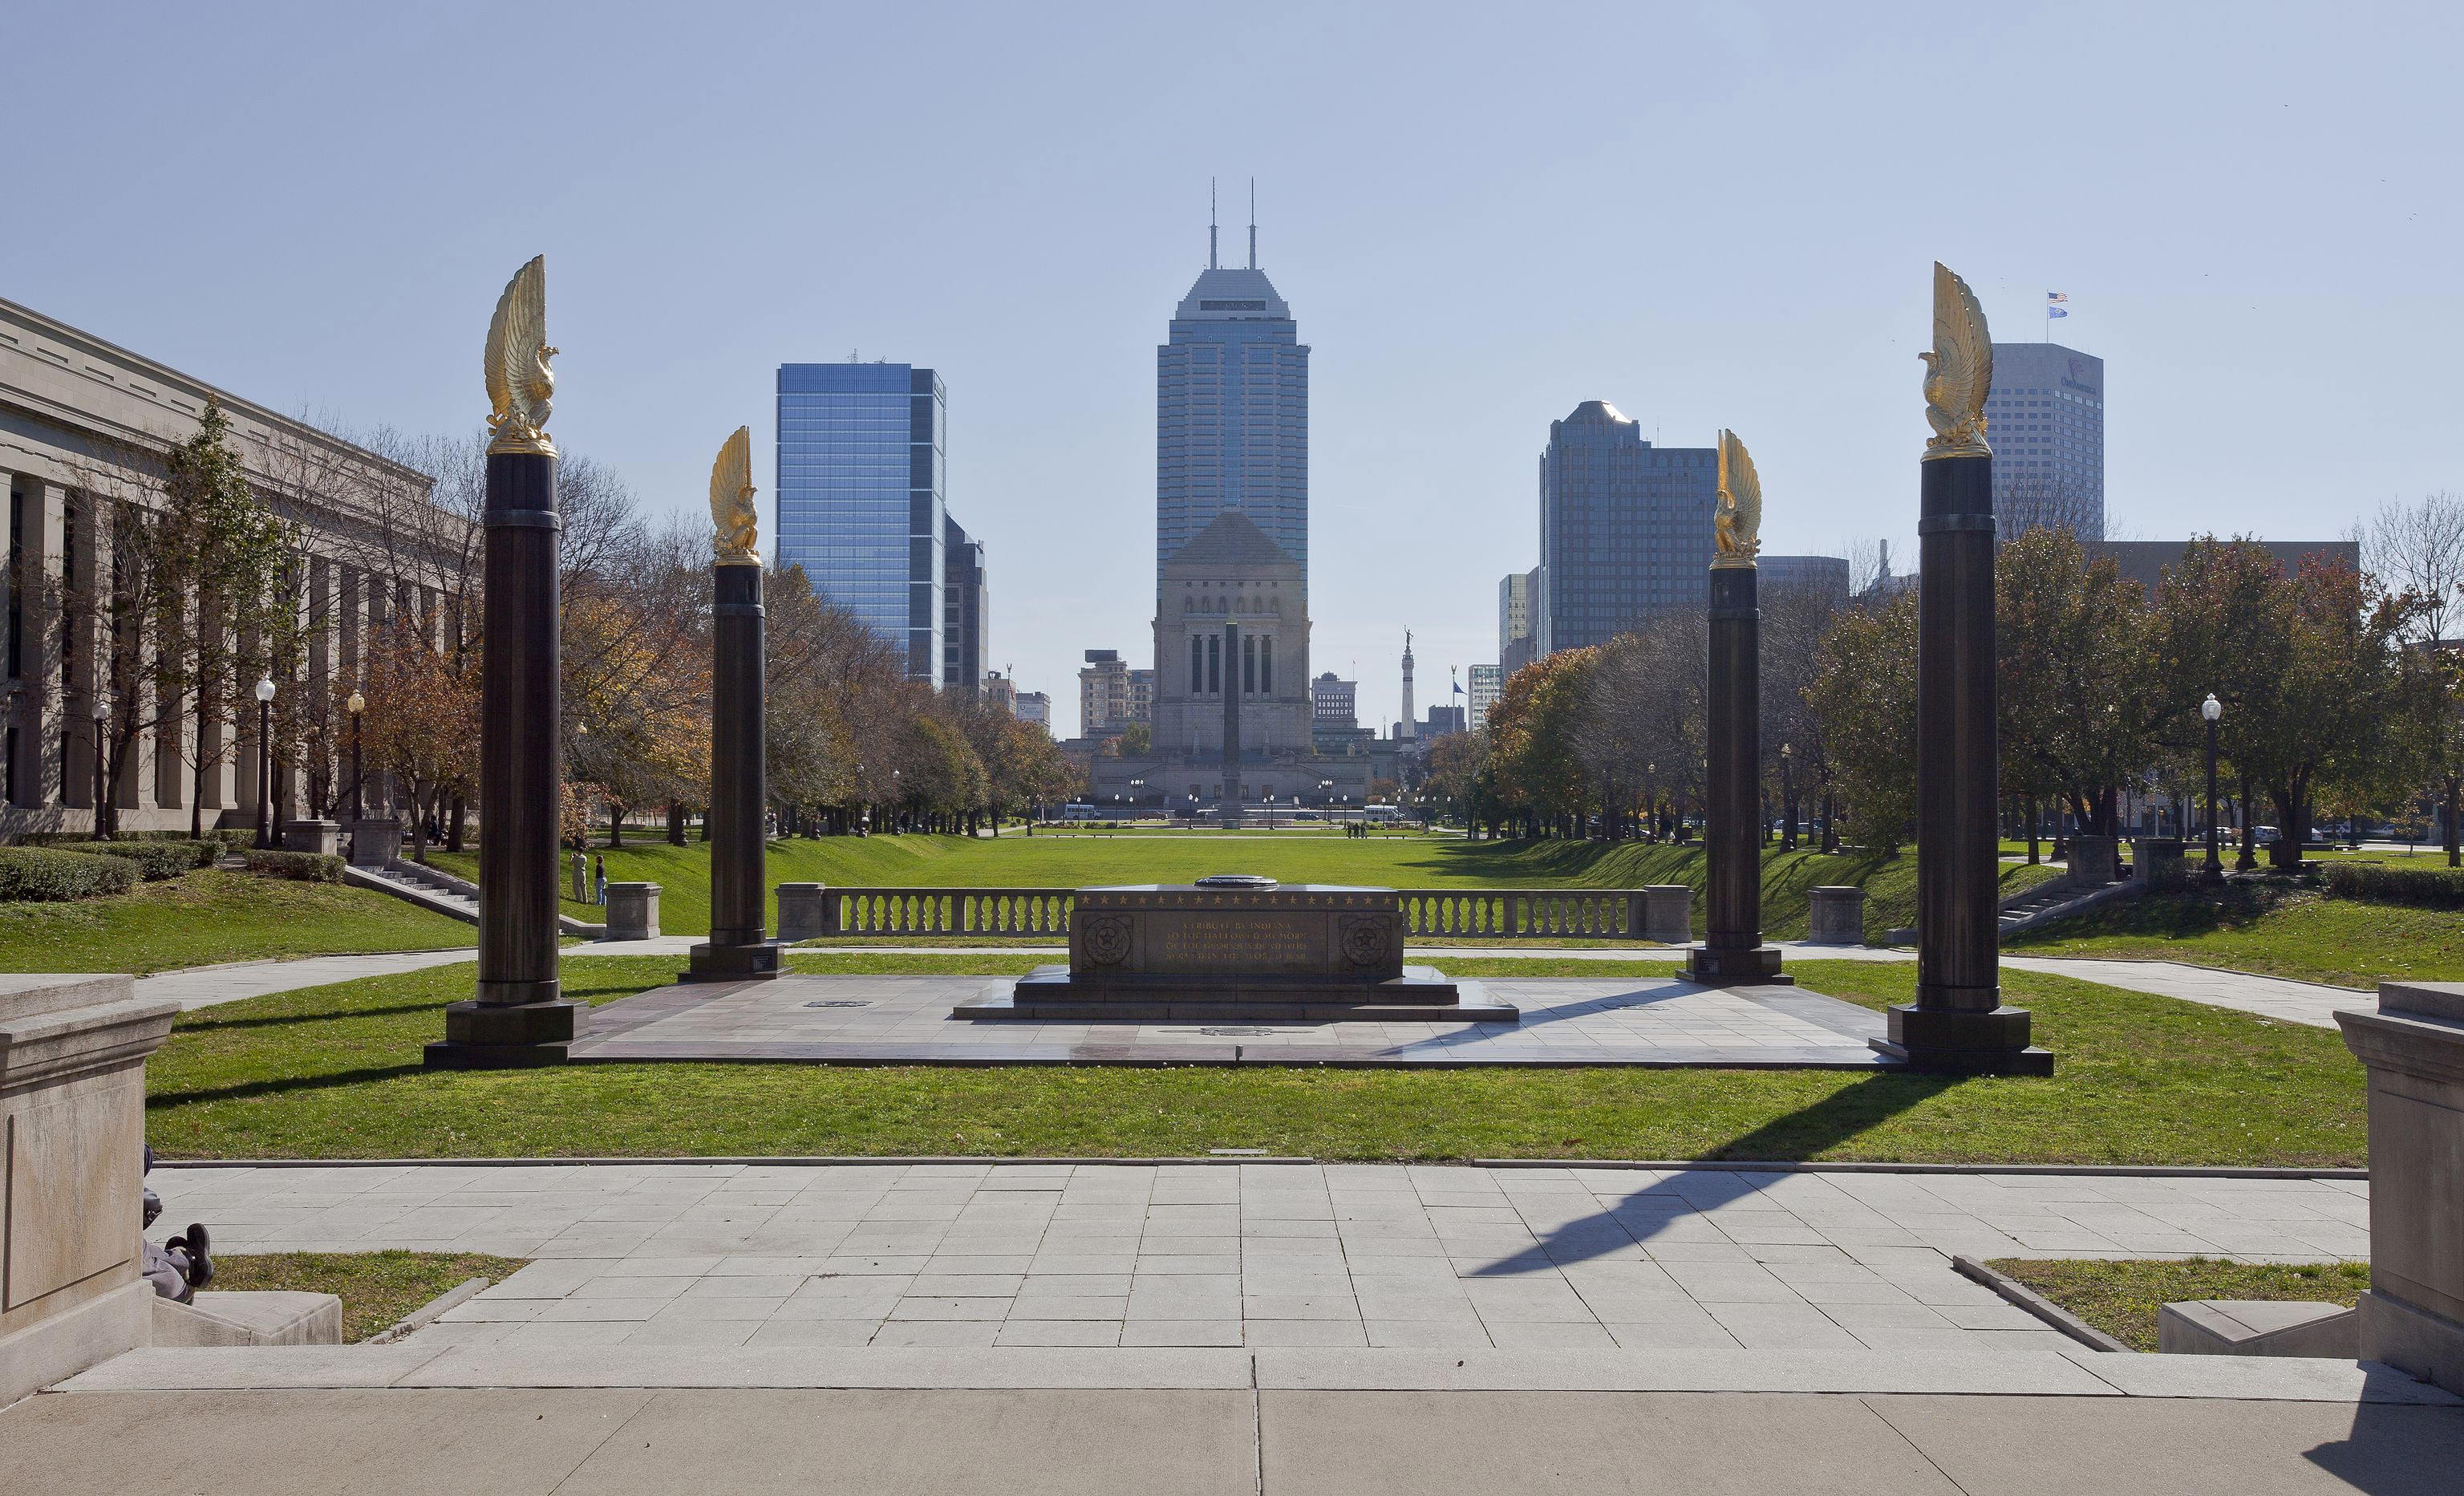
(2057,298)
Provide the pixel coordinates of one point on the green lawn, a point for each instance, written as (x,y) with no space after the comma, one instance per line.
(1407,861)
(215,915)
(2262,925)
(333,1072)
(2121,1298)
(376,1289)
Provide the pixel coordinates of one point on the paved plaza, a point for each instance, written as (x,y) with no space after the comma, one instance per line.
(1566,1020)
(1294,1255)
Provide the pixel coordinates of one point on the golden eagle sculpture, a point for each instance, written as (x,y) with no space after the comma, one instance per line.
(1959,371)
(1737,525)
(519,382)
(732,514)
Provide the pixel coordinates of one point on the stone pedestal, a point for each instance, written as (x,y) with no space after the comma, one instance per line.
(2156,861)
(2412,1315)
(632,911)
(520,1016)
(2094,860)
(1835,916)
(1304,953)
(1958,1025)
(1732,952)
(739,948)
(73,1054)
(322,837)
(375,842)
(804,912)
(1668,914)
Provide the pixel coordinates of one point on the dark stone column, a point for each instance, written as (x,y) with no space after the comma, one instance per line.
(1958,1025)
(519,1017)
(1733,953)
(740,947)
(1230,812)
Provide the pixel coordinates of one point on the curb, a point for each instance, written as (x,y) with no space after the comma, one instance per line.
(2052,1313)
(886,1160)
(751,1160)
(2144,1171)
(453,1297)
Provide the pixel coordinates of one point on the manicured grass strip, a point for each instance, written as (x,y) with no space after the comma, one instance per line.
(2121,1298)
(1408,861)
(335,1072)
(211,916)
(376,1289)
(2280,929)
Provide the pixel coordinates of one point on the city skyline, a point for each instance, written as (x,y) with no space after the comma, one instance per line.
(1495,268)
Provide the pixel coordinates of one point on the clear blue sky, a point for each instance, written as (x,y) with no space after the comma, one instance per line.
(1710,215)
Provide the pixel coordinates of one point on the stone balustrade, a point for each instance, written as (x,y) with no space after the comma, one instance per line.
(811,911)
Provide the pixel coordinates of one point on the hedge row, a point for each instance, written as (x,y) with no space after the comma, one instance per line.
(2429,888)
(154,860)
(299,867)
(40,873)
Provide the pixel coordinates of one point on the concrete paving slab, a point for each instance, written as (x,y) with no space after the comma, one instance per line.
(2033,1371)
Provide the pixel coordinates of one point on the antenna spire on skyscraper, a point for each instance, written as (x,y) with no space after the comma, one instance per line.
(1210,223)
(1253,223)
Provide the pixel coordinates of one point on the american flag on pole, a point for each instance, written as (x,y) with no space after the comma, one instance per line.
(2054,300)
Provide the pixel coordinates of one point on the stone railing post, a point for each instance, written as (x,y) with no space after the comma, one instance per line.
(1668,914)
(1835,916)
(632,911)
(2412,1315)
(801,911)
(311,836)
(73,1054)
(375,842)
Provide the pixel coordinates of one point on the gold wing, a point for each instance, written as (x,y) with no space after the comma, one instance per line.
(1958,371)
(1736,528)
(516,355)
(732,516)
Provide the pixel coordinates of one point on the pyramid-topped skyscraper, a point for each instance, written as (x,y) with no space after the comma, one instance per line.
(1232,410)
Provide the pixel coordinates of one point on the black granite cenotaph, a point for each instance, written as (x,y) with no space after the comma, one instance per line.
(520,1016)
(1238,948)
(739,948)
(1958,1025)
(1733,952)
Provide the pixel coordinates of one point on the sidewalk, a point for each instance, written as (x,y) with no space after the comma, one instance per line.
(650,1257)
(1231,1442)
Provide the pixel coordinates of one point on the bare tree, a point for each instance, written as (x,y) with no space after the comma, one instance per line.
(2419,549)
(2047,500)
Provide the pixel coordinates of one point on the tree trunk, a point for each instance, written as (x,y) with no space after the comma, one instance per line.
(2455,853)
(2286,854)
(675,825)
(615,823)
(456,819)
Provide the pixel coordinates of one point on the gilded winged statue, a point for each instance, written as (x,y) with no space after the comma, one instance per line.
(519,382)
(1959,371)
(1737,525)
(731,502)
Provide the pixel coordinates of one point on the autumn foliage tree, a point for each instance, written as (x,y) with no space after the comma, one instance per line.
(421,721)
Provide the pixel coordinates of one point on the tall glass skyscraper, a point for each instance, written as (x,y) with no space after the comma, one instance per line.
(862,496)
(2046,421)
(1232,412)
(1625,527)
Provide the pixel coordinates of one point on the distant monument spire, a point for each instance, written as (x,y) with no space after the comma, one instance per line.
(1404,729)
(1210,223)
(1253,223)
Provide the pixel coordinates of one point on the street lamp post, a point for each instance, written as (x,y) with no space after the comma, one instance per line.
(265,762)
(359,774)
(2213,710)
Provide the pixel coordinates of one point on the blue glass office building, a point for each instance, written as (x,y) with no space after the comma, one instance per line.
(1625,527)
(1232,413)
(862,496)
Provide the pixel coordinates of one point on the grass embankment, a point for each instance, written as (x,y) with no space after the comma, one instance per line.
(2121,1298)
(335,1072)
(215,915)
(1407,861)
(2277,928)
(376,1289)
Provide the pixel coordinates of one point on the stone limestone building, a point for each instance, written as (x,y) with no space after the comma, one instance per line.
(1232,641)
(83,429)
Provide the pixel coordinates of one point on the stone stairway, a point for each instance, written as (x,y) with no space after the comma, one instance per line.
(2057,899)
(441,892)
